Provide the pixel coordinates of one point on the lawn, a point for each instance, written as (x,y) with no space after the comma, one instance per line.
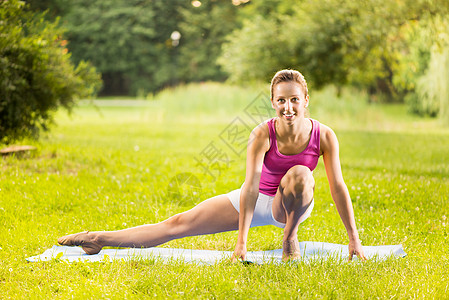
(107,168)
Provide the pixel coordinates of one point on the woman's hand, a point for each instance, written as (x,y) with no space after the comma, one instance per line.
(355,248)
(239,253)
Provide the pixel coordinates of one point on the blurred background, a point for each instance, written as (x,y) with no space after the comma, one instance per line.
(394,51)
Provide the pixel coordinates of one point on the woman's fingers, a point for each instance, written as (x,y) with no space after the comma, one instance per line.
(356,248)
(239,253)
(238,256)
(360,255)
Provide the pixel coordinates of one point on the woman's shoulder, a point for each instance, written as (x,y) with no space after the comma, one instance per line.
(328,138)
(262,130)
(260,137)
(324,129)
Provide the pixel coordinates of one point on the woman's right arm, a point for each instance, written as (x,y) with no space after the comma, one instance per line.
(258,145)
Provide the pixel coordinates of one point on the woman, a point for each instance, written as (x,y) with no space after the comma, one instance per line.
(278,189)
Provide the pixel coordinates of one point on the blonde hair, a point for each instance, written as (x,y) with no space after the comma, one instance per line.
(289,76)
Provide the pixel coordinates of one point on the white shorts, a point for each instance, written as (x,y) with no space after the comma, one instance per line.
(263,212)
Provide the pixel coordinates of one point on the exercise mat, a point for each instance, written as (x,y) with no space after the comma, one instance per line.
(309,251)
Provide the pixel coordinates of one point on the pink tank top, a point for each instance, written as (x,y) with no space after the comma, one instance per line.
(276,164)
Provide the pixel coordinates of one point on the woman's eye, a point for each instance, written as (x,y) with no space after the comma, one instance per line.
(281,100)
(295,99)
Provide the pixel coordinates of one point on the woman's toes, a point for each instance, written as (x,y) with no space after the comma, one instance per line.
(290,250)
(76,239)
(83,239)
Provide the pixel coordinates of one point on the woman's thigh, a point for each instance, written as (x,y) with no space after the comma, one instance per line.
(210,216)
(279,213)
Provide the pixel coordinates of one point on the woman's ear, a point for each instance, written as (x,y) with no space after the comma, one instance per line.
(272,103)
(306,104)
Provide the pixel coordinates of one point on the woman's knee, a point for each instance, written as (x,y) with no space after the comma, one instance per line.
(298,180)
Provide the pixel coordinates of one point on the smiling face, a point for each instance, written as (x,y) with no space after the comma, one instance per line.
(289,101)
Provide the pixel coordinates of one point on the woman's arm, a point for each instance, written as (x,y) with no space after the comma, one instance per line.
(339,190)
(258,145)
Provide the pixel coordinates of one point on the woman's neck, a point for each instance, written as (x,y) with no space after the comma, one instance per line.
(293,130)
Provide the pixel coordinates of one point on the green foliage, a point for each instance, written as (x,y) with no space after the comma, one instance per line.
(427,76)
(382,47)
(370,46)
(268,8)
(130,41)
(432,94)
(249,57)
(315,38)
(417,43)
(260,45)
(53,8)
(36,74)
(322,30)
(203,30)
(120,39)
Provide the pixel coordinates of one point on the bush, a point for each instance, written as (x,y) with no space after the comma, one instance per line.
(431,97)
(36,74)
(426,74)
(260,61)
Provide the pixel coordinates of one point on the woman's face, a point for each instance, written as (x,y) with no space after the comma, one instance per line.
(289,101)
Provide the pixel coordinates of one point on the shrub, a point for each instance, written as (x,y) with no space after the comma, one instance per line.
(431,96)
(36,74)
(426,74)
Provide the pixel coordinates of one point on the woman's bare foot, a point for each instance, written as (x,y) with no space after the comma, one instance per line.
(89,244)
(290,250)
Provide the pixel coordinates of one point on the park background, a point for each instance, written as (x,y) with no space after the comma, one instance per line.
(156,92)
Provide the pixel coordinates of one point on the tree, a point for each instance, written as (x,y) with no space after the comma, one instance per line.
(128,41)
(262,45)
(52,8)
(427,79)
(36,74)
(333,42)
(305,37)
(203,31)
(248,56)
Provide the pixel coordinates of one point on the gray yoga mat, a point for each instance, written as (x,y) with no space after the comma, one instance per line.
(309,251)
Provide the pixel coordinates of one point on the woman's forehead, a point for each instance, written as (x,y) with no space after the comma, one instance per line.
(285,89)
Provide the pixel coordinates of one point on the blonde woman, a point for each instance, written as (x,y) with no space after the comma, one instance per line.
(278,190)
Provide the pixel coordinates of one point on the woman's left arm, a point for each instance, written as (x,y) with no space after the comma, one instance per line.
(339,191)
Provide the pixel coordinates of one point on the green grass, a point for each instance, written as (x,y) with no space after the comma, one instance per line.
(88,174)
